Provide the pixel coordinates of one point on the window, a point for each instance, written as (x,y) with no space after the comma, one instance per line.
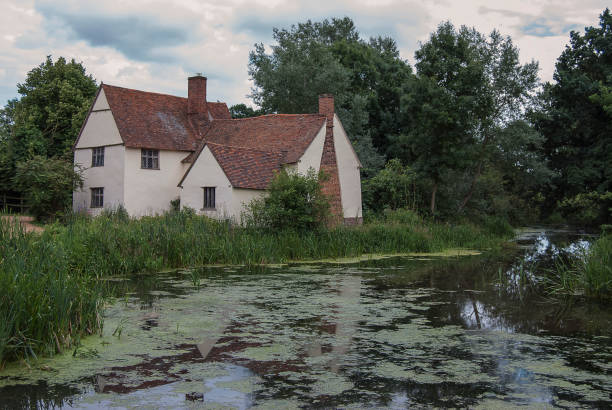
(149,159)
(209,197)
(97,157)
(97,197)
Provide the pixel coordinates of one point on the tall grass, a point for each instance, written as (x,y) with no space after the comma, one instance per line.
(44,306)
(49,281)
(588,274)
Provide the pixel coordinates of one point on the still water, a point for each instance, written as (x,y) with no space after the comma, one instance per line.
(399,332)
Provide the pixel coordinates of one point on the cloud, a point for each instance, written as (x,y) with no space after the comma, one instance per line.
(549,25)
(138,37)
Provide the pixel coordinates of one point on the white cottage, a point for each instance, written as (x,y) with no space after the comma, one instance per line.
(142,150)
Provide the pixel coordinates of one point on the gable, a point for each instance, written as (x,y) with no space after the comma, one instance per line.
(99,128)
(244,168)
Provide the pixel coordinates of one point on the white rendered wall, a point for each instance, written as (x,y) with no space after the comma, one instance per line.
(149,191)
(207,172)
(100,128)
(242,197)
(312,156)
(348,170)
(110,177)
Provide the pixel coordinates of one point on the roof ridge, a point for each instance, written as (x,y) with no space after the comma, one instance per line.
(142,91)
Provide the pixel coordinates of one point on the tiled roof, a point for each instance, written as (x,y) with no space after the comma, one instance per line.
(288,133)
(151,120)
(245,167)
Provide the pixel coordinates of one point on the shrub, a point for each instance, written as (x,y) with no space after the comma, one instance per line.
(393,187)
(47,184)
(293,202)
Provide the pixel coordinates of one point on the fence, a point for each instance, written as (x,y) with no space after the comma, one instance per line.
(13,204)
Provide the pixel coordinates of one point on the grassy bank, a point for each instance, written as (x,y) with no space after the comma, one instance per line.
(51,293)
(589,274)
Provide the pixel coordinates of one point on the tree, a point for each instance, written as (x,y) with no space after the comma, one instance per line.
(469,86)
(294,202)
(46,119)
(576,115)
(47,184)
(243,111)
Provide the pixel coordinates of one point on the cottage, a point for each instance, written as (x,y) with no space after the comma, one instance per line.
(142,150)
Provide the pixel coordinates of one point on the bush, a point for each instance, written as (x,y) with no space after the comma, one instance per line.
(47,184)
(293,202)
(393,188)
(590,208)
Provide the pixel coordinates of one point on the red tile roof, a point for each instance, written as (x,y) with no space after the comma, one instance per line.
(289,133)
(159,121)
(245,167)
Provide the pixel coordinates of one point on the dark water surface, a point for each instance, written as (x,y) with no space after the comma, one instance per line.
(399,332)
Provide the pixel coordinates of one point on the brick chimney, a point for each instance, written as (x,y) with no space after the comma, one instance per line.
(329,163)
(326,107)
(196,95)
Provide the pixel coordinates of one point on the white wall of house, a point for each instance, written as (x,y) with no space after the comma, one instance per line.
(312,156)
(207,172)
(149,191)
(110,177)
(348,170)
(242,197)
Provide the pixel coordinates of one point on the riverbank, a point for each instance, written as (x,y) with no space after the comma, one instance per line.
(54,296)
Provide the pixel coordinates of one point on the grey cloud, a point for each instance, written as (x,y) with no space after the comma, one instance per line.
(137,37)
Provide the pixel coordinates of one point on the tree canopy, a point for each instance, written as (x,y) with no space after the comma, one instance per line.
(44,122)
(576,117)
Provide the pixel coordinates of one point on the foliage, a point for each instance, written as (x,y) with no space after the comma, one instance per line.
(575,114)
(47,184)
(469,86)
(44,306)
(46,119)
(243,111)
(587,209)
(588,274)
(293,202)
(392,188)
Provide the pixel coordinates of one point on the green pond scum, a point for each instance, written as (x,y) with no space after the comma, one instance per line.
(400,331)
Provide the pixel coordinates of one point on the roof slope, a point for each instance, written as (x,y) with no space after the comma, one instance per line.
(245,167)
(290,134)
(151,120)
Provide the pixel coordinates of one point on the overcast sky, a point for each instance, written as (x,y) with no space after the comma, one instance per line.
(150,45)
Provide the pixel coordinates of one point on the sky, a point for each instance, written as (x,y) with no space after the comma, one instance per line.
(155,45)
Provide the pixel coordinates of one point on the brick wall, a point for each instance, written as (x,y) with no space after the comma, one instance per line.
(329,164)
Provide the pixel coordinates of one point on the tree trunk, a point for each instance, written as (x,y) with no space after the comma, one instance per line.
(471,190)
(433,199)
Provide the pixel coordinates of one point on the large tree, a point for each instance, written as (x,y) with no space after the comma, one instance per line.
(577,114)
(45,120)
(468,87)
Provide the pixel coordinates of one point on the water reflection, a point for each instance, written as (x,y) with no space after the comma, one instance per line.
(394,333)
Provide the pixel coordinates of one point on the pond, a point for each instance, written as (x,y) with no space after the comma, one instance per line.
(399,332)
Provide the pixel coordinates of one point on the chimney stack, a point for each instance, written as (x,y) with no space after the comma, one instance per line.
(326,107)
(196,95)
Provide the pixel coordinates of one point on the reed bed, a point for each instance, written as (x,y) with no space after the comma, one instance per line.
(588,274)
(51,293)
